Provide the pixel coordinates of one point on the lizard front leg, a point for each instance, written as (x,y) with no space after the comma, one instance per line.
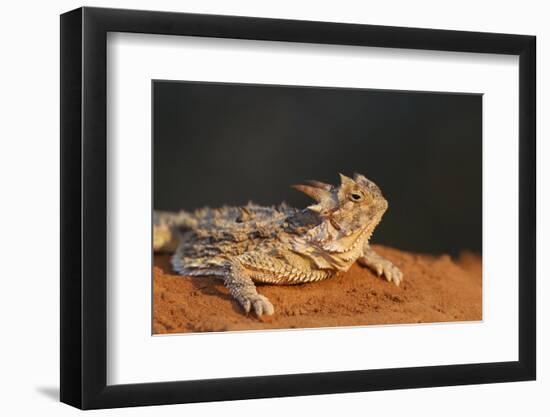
(240,285)
(380,265)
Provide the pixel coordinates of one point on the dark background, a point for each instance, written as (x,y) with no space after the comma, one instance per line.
(218,143)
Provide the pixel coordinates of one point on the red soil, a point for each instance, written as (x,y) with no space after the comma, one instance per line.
(435,289)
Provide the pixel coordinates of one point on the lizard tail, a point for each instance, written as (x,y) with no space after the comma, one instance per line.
(167,227)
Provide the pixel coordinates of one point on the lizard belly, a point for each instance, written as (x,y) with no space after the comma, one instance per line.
(285,270)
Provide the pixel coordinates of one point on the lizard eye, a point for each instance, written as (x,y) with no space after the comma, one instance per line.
(356,197)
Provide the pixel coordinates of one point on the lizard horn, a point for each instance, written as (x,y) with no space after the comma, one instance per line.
(319,184)
(361,179)
(346,180)
(316,193)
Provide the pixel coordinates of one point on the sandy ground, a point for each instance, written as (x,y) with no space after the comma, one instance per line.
(436,289)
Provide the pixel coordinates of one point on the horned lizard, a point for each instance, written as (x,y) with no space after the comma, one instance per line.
(279,244)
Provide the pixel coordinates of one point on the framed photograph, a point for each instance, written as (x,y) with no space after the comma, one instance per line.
(258,208)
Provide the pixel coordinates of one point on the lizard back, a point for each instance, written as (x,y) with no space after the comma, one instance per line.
(209,237)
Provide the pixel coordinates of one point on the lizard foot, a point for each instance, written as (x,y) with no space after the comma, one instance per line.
(385,268)
(382,267)
(259,303)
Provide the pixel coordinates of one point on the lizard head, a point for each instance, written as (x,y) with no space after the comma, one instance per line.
(354,206)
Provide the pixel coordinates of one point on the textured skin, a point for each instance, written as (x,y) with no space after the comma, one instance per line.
(278,245)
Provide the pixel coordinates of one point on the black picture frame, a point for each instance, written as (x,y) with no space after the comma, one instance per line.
(84,207)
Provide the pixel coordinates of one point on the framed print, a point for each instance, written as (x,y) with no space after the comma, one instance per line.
(257,208)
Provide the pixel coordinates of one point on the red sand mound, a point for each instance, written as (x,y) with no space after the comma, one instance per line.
(436,289)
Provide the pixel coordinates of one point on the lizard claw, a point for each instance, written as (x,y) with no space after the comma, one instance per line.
(260,304)
(383,267)
(391,272)
(263,306)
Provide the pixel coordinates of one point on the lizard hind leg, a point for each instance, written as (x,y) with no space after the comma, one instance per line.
(242,288)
